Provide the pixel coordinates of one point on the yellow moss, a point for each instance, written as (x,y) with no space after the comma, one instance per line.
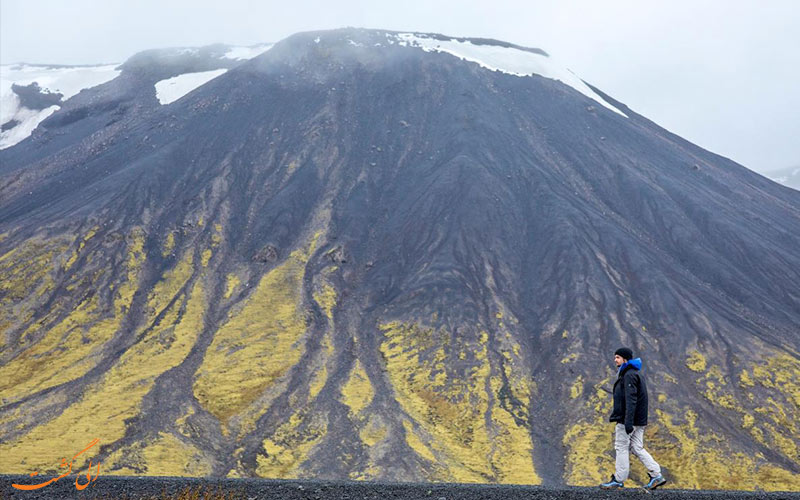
(135,261)
(512,448)
(700,459)
(182,423)
(72,346)
(110,401)
(369,473)
(775,423)
(745,380)
(216,237)
(458,411)
(357,392)
(726,401)
(577,388)
(8,254)
(259,343)
(205,257)
(662,397)
(326,298)
(696,361)
(781,426)
(312,246)
(166,455)
(317,382)
(289,446)
(716,373)
(231,284)
(71,261)
(570,358)
(67,350)
(170,285)
(372,433)
(320,375)
(416,444)
(169,244)
(780,371)
(784,444)
(170,456)
(26,274)
(776,479)
(89,234)
(762,374)
(589,458)
(564,334)
(714,392)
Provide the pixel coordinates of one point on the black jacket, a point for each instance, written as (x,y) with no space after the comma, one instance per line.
(630,396)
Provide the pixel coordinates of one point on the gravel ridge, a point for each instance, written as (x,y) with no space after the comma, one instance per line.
(141,488)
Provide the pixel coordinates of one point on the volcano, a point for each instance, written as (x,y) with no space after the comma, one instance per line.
(395,256)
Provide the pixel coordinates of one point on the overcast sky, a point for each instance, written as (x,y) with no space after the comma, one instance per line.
(724,73)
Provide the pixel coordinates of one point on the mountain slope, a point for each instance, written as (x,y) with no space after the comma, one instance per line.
(356,255)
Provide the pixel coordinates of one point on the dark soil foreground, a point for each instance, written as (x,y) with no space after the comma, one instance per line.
(140,488)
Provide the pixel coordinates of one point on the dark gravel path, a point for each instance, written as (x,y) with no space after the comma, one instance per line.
(140,488)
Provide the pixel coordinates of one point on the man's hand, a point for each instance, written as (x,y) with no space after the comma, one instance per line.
(628,428)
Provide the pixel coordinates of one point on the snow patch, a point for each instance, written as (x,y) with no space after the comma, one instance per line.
(788,177)
(506,59)
(28,120)
(172,89)
(67,81)
(243,53)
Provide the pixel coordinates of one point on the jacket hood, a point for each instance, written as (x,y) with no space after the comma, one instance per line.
(635,363)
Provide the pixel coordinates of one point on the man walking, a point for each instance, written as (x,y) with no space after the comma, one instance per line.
(630,414)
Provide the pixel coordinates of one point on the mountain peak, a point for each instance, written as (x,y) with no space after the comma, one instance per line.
(490,54)
(377,37)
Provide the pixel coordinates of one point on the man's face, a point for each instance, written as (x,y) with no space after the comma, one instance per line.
(618,360)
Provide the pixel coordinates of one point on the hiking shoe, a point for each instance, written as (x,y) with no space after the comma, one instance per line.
(655,482)
(613,484)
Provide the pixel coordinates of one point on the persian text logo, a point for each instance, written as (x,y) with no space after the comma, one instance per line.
(64,464)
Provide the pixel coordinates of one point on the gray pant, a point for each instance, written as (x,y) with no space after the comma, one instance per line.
(633,443)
